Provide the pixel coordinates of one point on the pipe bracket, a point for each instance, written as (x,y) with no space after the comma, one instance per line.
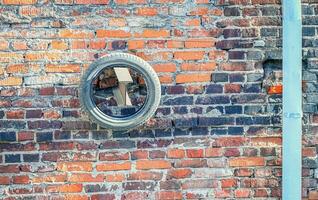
(293,115)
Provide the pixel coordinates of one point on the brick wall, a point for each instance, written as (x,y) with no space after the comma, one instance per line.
(217,133)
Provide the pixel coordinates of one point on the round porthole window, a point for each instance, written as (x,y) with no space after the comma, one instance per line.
(120,91)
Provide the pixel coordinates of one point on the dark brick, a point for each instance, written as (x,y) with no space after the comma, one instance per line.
(196,110)
(44,136)
(230,33)
(215,121)
(31,157)
(215,109)
(62,135)
(7,136)
(227,44)
(248,98)
(270,11)
(214,88)
(185,122)
(253,109)
(232,11)
(33,113)
(184,100)
(142,133)
(47,91)
(220,77)
(77,125)
(309,31)
(70,113)
(236,78)
(253,120)
(199,131)
(5,124)
(180,110)
(178,89)
(267,151)
(163,111)
(154,143)
(252,88)
(212,100)
(41,124)
(269,32)
(163,133)
(12,158)
(119,144)
(219,131)
(236,55)
(233,109)
(119,45)
(170,185)
(1,114)
(181,131)
(149,186)
(101,135)
(235,130)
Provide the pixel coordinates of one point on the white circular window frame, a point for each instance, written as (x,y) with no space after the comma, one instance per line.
(127,122)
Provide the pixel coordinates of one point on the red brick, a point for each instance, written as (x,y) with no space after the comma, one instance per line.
(136,44)
(139,154)
(228,183)
(113,166)
(63,68)
(192,78)
(165,195)
(313,195)
(114,177)
(213,152)
(192,22)
(189,55)
(76,34)
(76,178)
(165,67)
(232,88)
(211,66)
(195,153)
(175,44)
(4,180)
(179,174)
(199,43)
(74,166)
(19,2)
(21,179)
(277,89)
(50,178)
(242,193)
(19,45)
(238,66)
(152,164)
(25,135)
(11,81)
(17,69)
(15,114)
(145,175)
(146,11)
(247,162)
(117,22)
(113,156)
(94,2)
(175,153)
(51,114)
(266,141)
(66,188)
(150,33)
(59,44)
(112,34)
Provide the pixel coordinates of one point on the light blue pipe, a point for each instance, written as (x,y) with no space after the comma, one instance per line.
(292,99)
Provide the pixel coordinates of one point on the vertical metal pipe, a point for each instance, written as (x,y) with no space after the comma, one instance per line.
(292,99)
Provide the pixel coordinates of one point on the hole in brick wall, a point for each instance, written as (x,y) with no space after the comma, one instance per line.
(273,74)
